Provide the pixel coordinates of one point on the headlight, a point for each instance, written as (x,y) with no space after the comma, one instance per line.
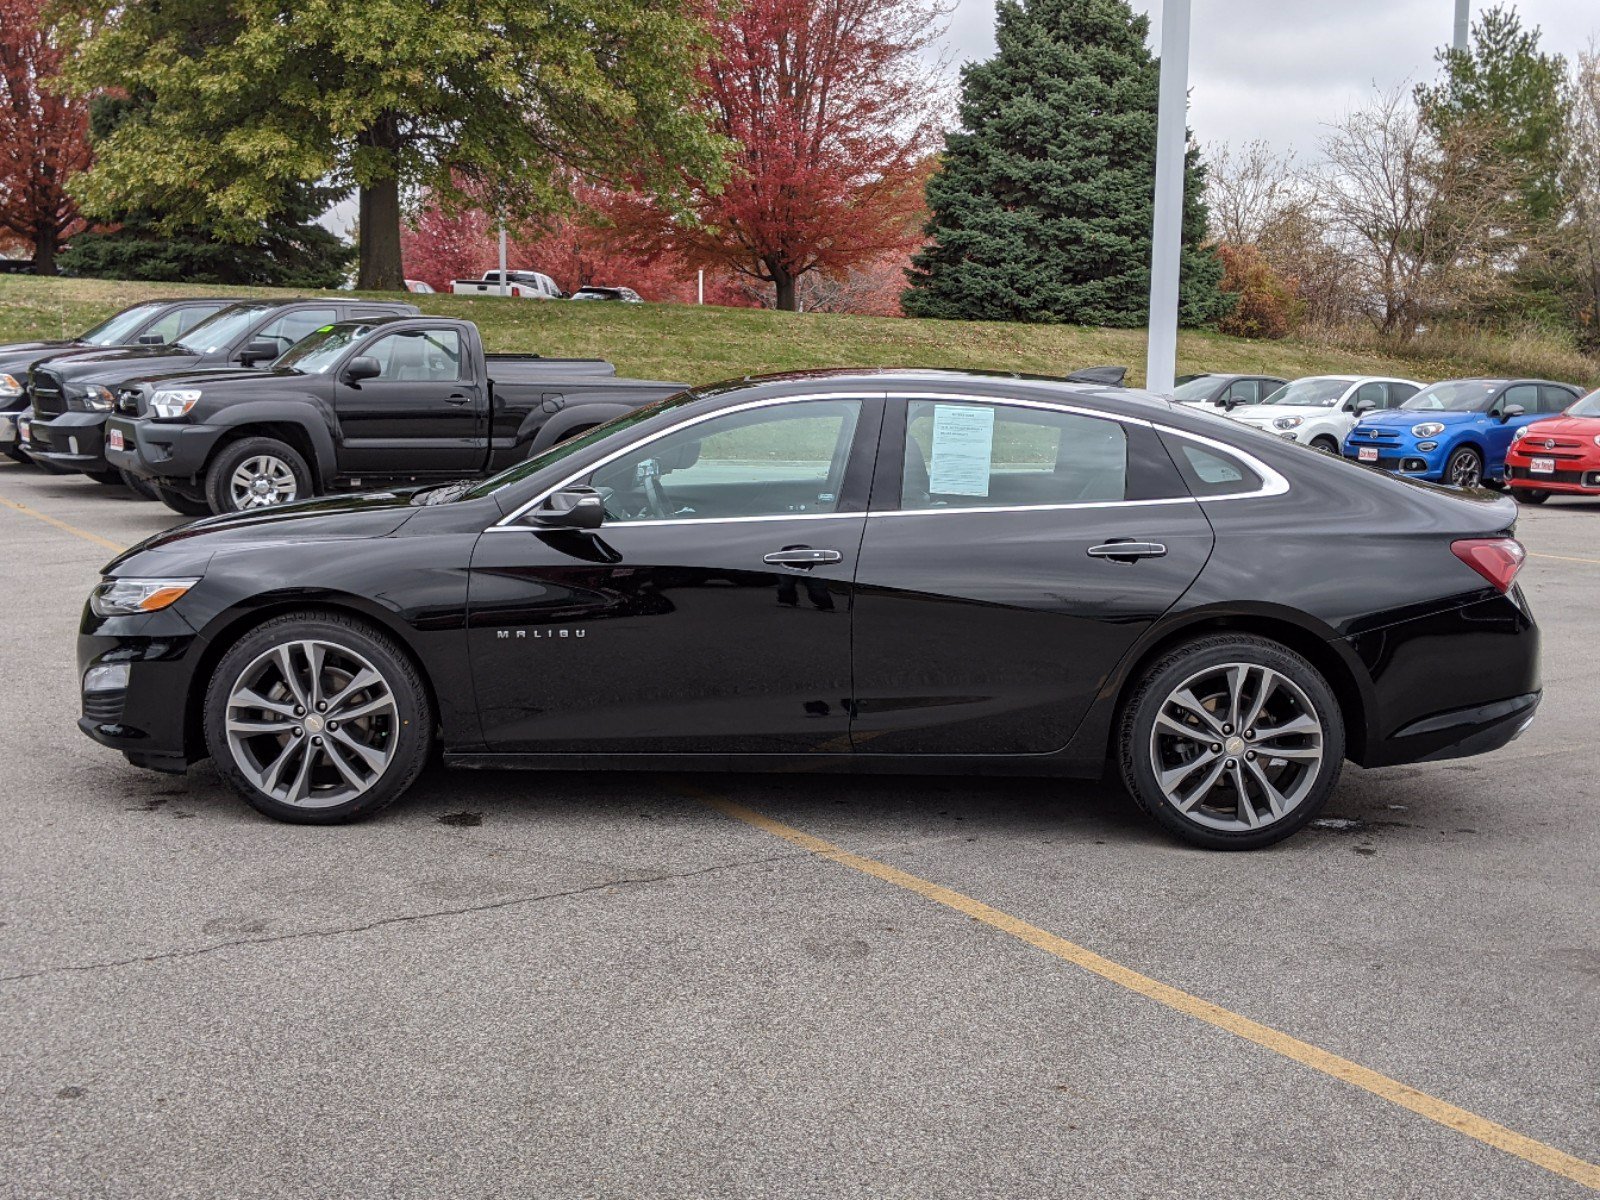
(9,387)
(126,597)
(1427,429)
(173,403)
(1596,440)
(1519,434)
(1288,422)
(96,398)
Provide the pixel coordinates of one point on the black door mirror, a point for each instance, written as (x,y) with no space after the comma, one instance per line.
(152,339)
(260,350)
(362,366)
(573,507)
(1511,410)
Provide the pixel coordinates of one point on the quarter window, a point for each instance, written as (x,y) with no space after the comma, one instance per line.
(784,460)
(418,355)
(1211,473)
(1399,393)
(962,454)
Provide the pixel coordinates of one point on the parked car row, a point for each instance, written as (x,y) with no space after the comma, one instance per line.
(267,402)
(1536,436)
(536,285)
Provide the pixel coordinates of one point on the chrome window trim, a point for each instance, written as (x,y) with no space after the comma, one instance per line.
(1273,483)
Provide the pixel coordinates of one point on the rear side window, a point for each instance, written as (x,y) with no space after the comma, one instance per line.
(1554,399)
(961,454)
(1399,393)
(1211,473)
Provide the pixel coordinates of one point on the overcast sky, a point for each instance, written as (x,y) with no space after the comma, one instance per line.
(1279,69)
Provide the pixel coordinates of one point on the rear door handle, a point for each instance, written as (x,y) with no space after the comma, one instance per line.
(1127,551)
(801,556)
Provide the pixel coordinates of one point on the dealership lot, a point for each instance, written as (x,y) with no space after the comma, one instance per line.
(570,985)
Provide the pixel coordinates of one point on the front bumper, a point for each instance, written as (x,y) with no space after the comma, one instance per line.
(1399,456)
(146,719)
(74,441)
(160,449)
(1573,476)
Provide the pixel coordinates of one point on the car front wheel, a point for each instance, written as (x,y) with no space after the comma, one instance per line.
(1528,496)
(1465,468)
(1231,742)
(317,718)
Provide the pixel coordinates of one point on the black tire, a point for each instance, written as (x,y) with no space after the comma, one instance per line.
(1326,444)
(218,484)
(49,468)
(1464,468)
(179,503)
(15,452)
(1211,826)
(1528,496)
(139,486)
(407,734)
(106,478)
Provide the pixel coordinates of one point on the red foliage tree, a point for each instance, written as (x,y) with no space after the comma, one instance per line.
(43,138)
(833,108)
(1265,307)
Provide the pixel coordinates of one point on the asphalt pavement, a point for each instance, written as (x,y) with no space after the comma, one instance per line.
(574,985)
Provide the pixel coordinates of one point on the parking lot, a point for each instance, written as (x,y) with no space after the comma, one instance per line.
(565,985)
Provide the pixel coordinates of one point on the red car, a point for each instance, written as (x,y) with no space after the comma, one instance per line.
(1560,456)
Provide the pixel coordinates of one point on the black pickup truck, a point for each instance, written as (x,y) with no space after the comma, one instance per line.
(150,323)
(359,404)
(72,394)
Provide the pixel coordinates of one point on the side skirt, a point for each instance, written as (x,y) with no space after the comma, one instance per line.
(826,764)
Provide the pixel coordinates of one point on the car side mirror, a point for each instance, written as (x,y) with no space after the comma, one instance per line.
(362,366)
(1364,406)
(152,339)
(573,507)
(260,350)
(1511,410)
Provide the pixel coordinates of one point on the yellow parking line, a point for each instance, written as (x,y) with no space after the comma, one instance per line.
(1459,1119)
(1565,558)
(63,526)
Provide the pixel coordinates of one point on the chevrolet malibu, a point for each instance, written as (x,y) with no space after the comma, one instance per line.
(889,571)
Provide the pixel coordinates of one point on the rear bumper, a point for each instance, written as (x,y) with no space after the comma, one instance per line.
(74,441)
(158,450)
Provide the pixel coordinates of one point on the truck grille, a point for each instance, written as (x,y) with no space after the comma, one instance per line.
(128,401)
(48,395)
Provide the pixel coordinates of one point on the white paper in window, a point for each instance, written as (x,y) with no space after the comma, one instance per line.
(963,450)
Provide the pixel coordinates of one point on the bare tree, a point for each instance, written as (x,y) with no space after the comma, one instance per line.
(1246,189)
(1583,186)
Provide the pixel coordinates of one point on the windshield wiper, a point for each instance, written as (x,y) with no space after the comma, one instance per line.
(444,493)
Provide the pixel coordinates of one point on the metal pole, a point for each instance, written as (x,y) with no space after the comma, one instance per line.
(1172,137)
(702,298)
(502,256)
(1463,26)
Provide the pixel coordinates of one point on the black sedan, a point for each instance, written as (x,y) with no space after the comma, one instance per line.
(863,571)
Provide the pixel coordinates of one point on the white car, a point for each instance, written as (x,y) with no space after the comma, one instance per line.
(1319,410)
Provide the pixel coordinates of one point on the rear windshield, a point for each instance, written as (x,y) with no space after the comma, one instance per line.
(1456,395)
(222,330)
(121,329)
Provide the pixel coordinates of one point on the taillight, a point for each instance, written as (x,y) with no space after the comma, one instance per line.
(1497,559)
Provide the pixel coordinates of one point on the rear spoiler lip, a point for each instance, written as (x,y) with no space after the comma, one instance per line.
(1109,376)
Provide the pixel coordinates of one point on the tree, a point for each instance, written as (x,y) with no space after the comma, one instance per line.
(252,99)
(1247,190)
(832,106)
(1043,204)
(1583,175)
(43,138)
(1266,304)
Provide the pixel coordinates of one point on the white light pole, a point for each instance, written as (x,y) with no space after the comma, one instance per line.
(1172,137)
(1463,26)
(502,256)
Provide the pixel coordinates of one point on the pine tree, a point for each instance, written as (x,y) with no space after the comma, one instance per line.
(1043,204)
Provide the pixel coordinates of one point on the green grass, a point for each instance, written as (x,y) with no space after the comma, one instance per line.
(700,345)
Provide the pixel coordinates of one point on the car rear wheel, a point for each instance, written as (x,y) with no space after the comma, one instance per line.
(317,718)
(256,473)
(1526,496)
(1465,468)
(1231,742)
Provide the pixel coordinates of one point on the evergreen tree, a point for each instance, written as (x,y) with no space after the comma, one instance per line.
(286,248)
(1043,204)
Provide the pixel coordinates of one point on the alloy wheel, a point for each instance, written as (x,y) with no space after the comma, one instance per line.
(1236,747)
(262,481)
(1465,470)
(312,724)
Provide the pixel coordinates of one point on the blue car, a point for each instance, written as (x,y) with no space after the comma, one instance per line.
(1456,431)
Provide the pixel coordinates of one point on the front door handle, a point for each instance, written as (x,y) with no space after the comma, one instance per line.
(458,398)
(1127,551)
(801,556)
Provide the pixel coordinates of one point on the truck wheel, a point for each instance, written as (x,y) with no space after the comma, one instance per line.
(139,485)
(256,472)
(179,503)
(106,478)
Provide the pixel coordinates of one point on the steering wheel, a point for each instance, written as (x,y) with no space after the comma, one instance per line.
(648,476)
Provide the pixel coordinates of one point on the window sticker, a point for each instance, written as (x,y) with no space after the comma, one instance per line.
(963,450)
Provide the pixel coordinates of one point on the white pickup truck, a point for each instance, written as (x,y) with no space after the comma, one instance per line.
(524,285)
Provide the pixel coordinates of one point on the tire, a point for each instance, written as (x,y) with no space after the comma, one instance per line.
(296,777)
(106,478)
(227,487)
(1526,496)
(179,503)
(49,468)
(1201,804)
(139,486)
(1326,444)
(1465,468)
(14,451)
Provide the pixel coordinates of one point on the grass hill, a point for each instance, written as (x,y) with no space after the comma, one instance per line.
(702,344)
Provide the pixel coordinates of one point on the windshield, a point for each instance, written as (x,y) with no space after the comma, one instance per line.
(119,330)
(1460,395)
(560,450)
(320,349)
(1589,406)
(222,330)
(1197,388)
(1319,391)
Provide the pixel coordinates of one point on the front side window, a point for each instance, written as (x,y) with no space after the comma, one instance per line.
(1524,395)
(1376,393)
(1242,392)
(418,356)
(121,329)
(180,320)
(783,460)
(292,326)
(220,330)
(976,455)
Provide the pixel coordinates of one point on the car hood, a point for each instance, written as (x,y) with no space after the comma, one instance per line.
(185,549)
(20,354)
(1271,412)
(193,378)
(124,363)
(1407,417)
(1584,427)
